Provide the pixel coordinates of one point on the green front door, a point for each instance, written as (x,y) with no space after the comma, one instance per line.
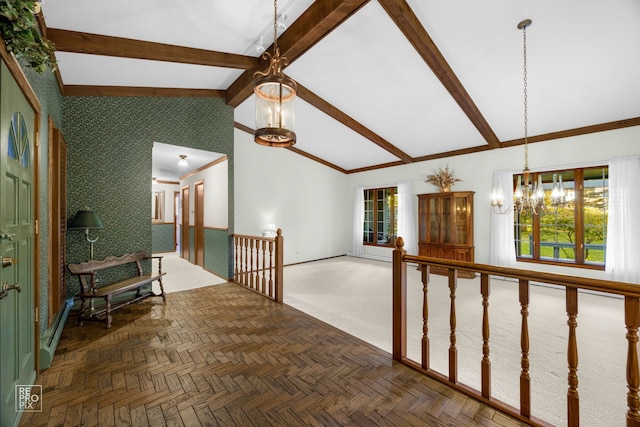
(17,320)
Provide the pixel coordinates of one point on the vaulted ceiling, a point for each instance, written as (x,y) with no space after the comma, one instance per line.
(381,83)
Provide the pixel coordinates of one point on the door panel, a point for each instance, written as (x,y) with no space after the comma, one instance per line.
(199,224)
(184,243)
(17,321)
(176,219)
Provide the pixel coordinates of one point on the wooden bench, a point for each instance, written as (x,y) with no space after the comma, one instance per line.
(88,272)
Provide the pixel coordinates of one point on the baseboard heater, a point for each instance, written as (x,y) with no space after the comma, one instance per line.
(49,341)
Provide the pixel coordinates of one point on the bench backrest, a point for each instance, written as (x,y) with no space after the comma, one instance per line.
(93,266)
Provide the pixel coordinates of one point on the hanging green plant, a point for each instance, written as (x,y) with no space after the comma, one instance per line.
(19,30)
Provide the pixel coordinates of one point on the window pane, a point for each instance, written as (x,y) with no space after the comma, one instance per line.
(13,137)
(386,228)
(392,207)
(572,229)
(368,231)
(558,224)
(380,216)
(381,212)
(524,234)
(596,195)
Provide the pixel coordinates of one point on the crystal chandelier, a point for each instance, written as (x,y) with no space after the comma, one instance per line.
(528,195)
(275,94)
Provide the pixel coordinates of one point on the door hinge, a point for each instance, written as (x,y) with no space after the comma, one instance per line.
(37,226)
(37,314)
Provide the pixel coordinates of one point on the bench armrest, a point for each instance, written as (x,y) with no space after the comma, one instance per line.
(159,258)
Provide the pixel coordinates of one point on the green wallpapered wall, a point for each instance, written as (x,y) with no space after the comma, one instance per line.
(109,142)
(162,238)
(46,88)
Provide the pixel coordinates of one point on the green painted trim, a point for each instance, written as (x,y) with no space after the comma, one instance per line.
(51,337)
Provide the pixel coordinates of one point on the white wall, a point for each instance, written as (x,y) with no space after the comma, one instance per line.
(307,200)
(476,171)
(313,204)
(216,199)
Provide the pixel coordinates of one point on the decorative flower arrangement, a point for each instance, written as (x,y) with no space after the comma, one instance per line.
(19,30)
(443,179)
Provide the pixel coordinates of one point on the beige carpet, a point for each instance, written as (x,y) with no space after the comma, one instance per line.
(354,295)
(183,275)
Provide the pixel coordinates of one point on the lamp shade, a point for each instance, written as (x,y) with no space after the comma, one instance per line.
(86,219)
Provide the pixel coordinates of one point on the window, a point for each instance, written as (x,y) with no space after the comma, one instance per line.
(574,233)
(380,216)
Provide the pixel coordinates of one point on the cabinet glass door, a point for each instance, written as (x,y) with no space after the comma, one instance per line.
(447,221)
(422,220)
(461,219)
(434,221)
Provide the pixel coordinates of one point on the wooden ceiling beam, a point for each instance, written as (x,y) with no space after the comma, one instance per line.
(311,27)
(88,90)
(95,44)
(403,16)
(585,130)
(352,124)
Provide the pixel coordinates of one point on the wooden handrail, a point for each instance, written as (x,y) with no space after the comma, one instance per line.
(572,284)
(608,286)
(259,264)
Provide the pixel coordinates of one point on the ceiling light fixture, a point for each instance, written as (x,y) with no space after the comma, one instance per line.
(183,161)
(275,94)
(530,195)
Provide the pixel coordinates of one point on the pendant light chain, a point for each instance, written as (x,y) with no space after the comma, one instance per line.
(529,197)
(275,25)
(526,120)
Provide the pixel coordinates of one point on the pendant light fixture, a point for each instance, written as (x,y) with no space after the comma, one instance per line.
(528,195)
(275,94)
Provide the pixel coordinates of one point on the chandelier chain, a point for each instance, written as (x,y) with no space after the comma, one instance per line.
(275,26)
(525,109)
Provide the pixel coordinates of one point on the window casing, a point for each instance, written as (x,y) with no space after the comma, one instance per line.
(380,225)
(573,234)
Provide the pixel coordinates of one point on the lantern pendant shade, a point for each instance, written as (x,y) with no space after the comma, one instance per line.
(275,110)
(275,95)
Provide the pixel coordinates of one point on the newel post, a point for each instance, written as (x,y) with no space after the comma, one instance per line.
(279,266)
(632,321)
(399,301)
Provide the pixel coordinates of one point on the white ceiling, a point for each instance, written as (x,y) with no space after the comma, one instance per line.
(367,96)
(166,156)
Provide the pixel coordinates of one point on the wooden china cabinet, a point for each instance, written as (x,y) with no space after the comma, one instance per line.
(445,228)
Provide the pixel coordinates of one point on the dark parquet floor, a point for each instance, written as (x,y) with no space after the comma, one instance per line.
(225,356)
